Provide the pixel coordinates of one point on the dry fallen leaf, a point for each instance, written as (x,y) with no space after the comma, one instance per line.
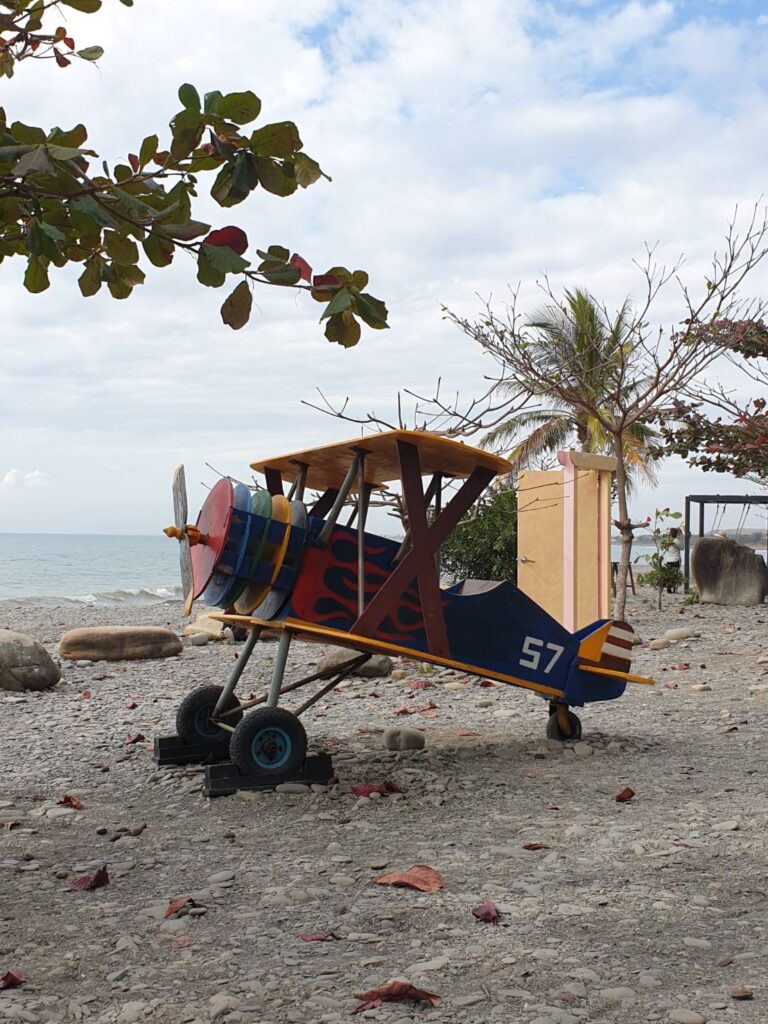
(420,684)
(86,883)
(138,738)
(625,795)
(682,667)
(467,732)
(85,695)
(13,979)
(328,937)
(71,801)
(420,877)
(182,941)
(175,907)
(395,991)
(487,911)
(367,788)
(406,710)
(535,846)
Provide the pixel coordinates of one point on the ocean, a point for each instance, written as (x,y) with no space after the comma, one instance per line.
(88,569)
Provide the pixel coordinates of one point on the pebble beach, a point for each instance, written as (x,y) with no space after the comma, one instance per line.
(654,908)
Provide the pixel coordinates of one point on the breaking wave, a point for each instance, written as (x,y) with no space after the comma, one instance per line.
(111,598)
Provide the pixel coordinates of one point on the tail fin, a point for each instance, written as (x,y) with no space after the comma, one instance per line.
(609,647)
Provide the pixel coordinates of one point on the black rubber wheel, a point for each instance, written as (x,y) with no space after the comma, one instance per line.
(554,732)
(268,740)
(192,718)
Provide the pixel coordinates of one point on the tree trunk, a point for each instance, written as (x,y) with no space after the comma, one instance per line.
(582,434)
(625,529)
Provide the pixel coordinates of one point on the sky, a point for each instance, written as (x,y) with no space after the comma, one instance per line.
(473,145)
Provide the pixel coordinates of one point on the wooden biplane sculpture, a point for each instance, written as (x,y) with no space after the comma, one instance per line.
(272,562)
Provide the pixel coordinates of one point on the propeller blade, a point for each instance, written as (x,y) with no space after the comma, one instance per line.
(187,583)
(180,513)
(180,507)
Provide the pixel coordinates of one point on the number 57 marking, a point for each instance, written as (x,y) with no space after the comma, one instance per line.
(533,648)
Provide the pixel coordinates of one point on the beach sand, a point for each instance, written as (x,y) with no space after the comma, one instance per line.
(650,910)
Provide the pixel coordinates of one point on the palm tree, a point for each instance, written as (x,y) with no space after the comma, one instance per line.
(573,342)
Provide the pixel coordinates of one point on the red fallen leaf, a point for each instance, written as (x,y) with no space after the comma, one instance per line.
(173,908)
(182,941)
(486,683)
(419,876)
(138,738)
(537,846)
(329,937)
(427,714)
(670,686)
(682,667)
(366,788)
(85,695)
(133,160)
(487,911)
(302,266)
(71,801)
(86,883)
(625,795)
(374,694)
(14,979)
(395,991)
(420,684)
(467,732)
(132,706)
(229,237)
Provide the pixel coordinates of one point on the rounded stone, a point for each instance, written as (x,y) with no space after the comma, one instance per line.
(402,738)
(119,643)
(25,664)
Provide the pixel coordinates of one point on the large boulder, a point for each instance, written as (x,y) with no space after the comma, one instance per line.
(119,643)
(728,573)
(378,665)
(25,664)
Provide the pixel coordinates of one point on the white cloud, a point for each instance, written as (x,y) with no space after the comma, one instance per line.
(472,143)
(16,478)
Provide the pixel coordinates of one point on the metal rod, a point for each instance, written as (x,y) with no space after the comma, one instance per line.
(687,550)
(237,670)
(261,699)
(438,478)
(362,510)
(296,492)
(341,497)
(223,725)
(340,677)
(278,670)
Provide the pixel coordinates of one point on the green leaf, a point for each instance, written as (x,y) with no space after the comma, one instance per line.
(57,152)
(36,276)
(36,161)
(343,329)
(90,279)
(207,274)
(212,101)
(341,300)
(280,140)
(159,250)
(275,252)
(127,3)
(224,259)
(96,212)
(84,6)
(27,135)
(131,275)
(359,279)
(240,107)
(148,150)
(307,170)
(121,249)
(119,289)
(281,274)
(186,232)
(187,129)
(236,310)
(372,311)
(235,181)
(190,97)
(74,137)
(273,177)
(91,53)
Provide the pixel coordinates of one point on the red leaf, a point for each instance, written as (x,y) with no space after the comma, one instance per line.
(302,266)
(326,281)
(467,732)
(487,911)
(395,991)
(486,683)
(427,714)
(625,795)
(85,695)
(366,788)
(138,738)
(681,667)
(420,684)
(420,877)
(173,908)
(13,979)
(69,41)
(182,942)
(71,801)
(670,686)
(230,238)
(132,706)
(86,883)
(133,160)
(329,937)
(61,60)
(536,846)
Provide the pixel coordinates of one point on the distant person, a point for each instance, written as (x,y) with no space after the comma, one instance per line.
(673,546)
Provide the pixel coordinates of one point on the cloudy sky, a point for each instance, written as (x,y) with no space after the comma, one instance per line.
(472,144)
